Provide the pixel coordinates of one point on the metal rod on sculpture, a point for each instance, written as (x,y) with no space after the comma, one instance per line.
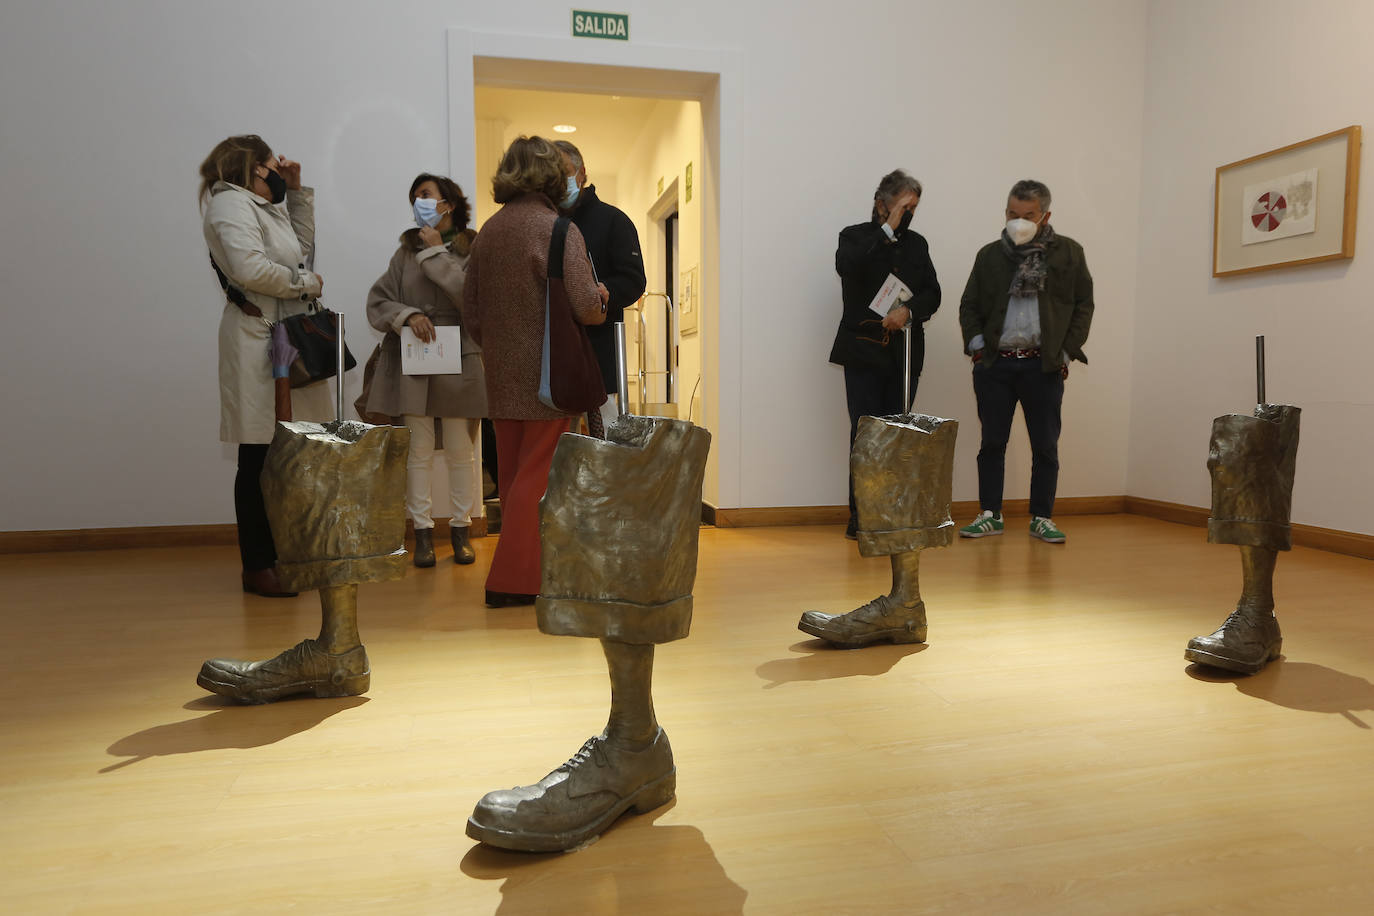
(906,370)
(1259,369)
(621,370)
(339,369)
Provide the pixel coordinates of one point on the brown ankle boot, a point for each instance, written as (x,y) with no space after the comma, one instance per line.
(424,547)
(463,554)
(264,582)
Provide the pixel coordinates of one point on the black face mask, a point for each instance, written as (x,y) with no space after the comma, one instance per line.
(905,220)
(276,185)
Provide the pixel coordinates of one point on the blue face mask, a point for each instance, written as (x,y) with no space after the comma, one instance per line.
(573,190)
(427,212)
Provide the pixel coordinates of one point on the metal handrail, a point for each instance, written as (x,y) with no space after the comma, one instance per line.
(642,376)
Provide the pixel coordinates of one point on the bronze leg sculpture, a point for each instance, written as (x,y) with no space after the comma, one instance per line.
(903,469)
(618,526)
(1252,461)
(335,496)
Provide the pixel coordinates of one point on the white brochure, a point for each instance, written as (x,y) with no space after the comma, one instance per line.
(889,294)
(441,356)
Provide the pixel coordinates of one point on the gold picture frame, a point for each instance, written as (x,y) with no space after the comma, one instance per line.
(1303,208)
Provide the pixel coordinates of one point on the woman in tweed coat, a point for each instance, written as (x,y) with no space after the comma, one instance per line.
(503,310)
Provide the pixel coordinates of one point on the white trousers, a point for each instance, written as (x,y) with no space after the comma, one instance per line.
(459,434)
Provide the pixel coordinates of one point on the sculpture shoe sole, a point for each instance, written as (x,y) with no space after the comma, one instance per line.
(651,795)
(898,635)
(1212,660)
(339,685)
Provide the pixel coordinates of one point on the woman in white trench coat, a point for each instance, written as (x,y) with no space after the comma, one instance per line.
(261,249)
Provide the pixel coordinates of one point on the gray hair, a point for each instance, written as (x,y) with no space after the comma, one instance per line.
(567,149)
(1030,189)
(895,184)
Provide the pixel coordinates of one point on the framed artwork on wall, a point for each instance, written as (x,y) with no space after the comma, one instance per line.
(1293,205)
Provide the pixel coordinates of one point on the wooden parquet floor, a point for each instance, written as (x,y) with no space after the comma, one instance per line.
(1049,750)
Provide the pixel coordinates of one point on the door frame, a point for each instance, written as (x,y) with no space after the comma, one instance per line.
(713,77)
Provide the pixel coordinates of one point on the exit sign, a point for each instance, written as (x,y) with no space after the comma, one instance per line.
(589,24)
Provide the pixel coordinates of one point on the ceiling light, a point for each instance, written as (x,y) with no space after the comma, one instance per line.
(564,128)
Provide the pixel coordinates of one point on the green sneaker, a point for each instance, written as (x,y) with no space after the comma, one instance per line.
(1045,530)
(985,524)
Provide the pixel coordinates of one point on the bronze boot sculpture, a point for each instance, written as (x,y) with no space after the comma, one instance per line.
(1252,461)
(903,469)
(619,527)
(335,496)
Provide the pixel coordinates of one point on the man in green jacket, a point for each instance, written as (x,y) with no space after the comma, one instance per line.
(1024,314)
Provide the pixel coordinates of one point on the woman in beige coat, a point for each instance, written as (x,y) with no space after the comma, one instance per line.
(421,289)
(260,248)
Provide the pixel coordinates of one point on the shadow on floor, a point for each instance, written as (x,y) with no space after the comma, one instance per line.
(1299,685)
(821,661)
(633,863)
(228,725)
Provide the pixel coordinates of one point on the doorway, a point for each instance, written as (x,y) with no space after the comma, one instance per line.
(712,78)
(639,153)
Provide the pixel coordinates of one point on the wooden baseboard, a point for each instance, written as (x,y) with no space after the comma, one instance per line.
(1168,512)
(158,536)
(477,528)
(781,516)
(118,538)
(1344,542)
(838,515)
(1349,543)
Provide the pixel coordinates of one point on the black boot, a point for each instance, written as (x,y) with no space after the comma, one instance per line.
(463,554)
(424,547)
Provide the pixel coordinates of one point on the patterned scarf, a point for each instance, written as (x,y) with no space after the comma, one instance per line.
(1031,269)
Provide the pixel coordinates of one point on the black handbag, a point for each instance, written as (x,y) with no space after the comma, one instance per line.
(570,377)
(315,335)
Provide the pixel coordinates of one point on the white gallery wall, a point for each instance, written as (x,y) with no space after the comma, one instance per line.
(1212,98)
(111,310)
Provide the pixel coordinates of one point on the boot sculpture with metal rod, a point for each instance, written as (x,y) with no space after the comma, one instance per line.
(619,526)
(903,470)
(1252,462)
(335,496)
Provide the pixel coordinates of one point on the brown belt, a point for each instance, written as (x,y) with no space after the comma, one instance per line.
(1028,353)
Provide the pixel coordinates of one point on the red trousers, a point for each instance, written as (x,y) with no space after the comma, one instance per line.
(524,451)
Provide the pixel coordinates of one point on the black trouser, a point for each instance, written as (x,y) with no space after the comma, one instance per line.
(874,394)
(256,547)
(999,388)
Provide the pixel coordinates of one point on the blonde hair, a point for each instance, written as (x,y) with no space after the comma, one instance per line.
(530,165)
(233,160)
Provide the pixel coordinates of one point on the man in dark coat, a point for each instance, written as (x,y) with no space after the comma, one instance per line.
(613,245)
(1025,314)
(869,345)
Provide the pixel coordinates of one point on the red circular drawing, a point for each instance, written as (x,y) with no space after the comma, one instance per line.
(1268,211)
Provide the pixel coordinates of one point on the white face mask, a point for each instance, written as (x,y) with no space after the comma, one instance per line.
(1021,231)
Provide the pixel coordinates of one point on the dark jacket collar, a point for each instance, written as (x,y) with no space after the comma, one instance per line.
(586,198)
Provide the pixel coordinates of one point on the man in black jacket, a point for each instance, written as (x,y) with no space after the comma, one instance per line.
(869,345)
(613,245)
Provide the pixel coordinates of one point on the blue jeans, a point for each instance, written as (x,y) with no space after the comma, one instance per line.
(998,389)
